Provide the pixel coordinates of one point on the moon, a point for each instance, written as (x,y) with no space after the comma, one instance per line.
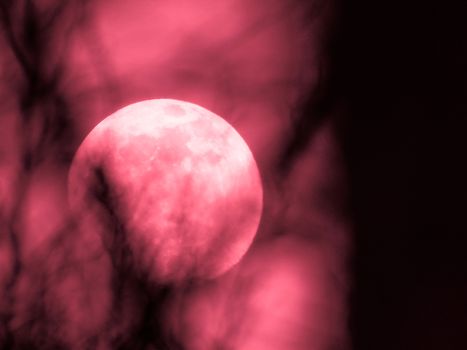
(177,183)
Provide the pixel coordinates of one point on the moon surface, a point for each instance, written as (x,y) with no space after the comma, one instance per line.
(175,182)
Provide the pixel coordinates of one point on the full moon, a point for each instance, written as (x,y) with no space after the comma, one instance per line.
(177,180)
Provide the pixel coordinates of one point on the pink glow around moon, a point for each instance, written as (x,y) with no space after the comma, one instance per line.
(181,182)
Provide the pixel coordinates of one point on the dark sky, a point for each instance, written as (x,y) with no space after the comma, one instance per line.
(399,69)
